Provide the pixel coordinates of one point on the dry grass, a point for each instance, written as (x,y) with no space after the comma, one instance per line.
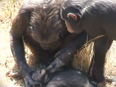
(8,10)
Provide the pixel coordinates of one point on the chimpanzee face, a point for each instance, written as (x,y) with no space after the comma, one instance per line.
(46,27)
(46,37)
(64,17)
(72,19)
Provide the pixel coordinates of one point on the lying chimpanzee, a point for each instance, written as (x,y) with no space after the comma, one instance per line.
(63,78)
(96,18)
(39,26)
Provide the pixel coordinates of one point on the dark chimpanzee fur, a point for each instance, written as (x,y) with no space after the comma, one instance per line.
(96,17)
(63,78)
(39,26)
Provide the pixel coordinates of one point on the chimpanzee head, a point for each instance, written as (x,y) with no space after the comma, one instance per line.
(46,25)
(70,13)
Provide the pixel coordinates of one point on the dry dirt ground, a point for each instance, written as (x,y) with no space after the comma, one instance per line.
(8,10)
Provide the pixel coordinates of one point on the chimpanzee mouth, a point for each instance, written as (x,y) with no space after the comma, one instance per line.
(45,46)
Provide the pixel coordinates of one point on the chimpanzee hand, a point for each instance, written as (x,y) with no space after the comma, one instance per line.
(42,76)
(27,74)
(62,58)
(55,65)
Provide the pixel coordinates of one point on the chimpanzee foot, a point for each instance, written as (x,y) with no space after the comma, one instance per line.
(96,75)
(99,82)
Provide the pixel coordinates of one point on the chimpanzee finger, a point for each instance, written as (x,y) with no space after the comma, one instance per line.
(29,81)
(52,70)
(55,65)
(51,66)
(33,82)
(26,83)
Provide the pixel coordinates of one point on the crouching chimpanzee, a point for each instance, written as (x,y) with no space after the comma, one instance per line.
(39,26)
(96,17)
(63,78)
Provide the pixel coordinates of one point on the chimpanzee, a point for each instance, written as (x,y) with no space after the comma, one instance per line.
(96,18)
(63,78)
(39,26)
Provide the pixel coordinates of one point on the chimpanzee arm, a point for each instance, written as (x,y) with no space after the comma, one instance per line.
(64,55)
(19,25)
(18,28)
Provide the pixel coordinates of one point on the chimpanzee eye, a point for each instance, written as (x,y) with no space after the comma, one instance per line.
(32,28)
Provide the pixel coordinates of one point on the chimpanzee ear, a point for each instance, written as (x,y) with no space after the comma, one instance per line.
(73,16)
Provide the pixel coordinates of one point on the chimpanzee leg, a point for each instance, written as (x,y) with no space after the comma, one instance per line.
(101,47)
